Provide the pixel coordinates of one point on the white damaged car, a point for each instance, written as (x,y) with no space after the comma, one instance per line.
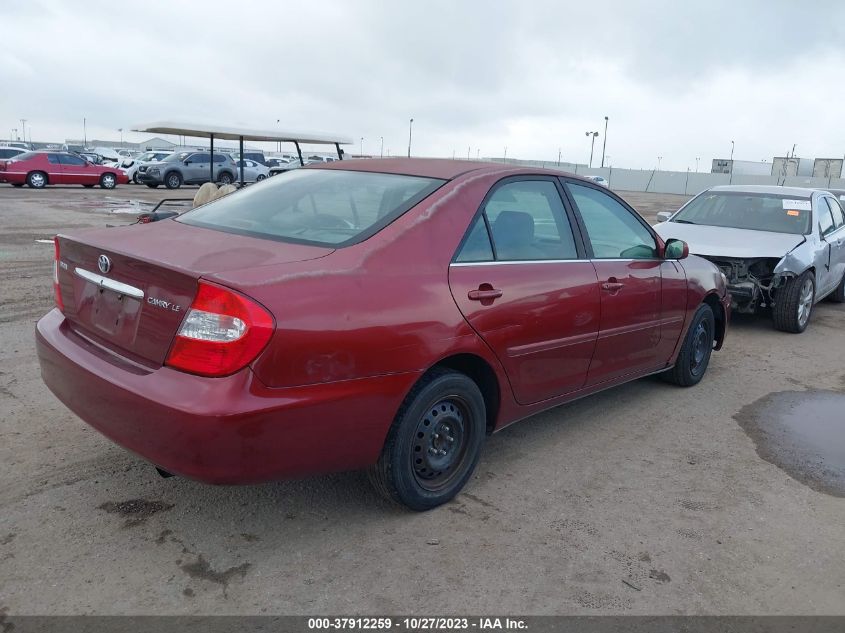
(779,247)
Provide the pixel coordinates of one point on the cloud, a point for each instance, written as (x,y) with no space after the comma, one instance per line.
(676,80)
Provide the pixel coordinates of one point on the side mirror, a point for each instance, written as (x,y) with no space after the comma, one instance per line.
(663,216)
(675,249)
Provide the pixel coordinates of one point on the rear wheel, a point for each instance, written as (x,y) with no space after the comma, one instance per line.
(225,178)
(108,181)
(697,347)
(173,180)
(794,303)
(434,443)
(260,177)
(36,179)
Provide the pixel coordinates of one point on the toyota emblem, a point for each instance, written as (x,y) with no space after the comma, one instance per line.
(104,264)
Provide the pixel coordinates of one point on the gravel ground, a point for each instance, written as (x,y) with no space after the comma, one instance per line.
(646,499)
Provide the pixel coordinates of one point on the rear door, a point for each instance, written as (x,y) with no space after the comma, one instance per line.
(197,168)
(624,251)
(522,280)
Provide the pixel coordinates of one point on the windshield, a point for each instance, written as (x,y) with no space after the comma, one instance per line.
(753,211)
(315,206)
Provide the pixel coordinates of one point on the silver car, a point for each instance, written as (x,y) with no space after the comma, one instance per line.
(779,247)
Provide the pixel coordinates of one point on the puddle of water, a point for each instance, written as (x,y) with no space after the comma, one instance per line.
(803,433)
(121,205)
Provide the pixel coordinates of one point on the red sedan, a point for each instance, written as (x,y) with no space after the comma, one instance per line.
(39,169)
(381,314)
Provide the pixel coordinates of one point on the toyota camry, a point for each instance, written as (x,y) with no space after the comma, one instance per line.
(381,314)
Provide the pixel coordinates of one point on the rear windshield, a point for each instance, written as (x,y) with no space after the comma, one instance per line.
(757,212)
(315,206)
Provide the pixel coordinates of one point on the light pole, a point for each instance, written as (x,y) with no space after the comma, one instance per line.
(468,150)
(410,131)
(478,154)
(381,151)
(120,129)
(732,150)
(362,146)
(505,157)
(697,158)
(592,144)
(84,132)
(23,129)
(15,134)
(604,142)
(659,158)
(558,156)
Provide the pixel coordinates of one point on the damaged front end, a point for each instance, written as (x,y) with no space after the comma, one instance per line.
(753,282)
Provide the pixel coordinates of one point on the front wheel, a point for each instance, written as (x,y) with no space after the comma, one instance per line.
(434,443)
(108,181)
(173,180)
(694,356)
(794,303)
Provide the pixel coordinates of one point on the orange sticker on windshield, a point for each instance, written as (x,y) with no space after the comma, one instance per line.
(793,213)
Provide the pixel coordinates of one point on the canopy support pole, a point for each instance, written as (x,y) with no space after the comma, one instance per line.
(339,151)
(299,152)
(241,159)
(211,162)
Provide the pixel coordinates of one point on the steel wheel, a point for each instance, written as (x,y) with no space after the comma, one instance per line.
(805,302)
(702,343)
(439,443)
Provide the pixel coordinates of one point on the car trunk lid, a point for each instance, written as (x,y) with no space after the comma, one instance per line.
(128,288)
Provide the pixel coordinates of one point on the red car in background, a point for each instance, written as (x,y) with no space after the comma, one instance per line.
(39,169)
(381,314)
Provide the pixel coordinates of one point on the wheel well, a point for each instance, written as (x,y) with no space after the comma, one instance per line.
(483,375)
(719,314)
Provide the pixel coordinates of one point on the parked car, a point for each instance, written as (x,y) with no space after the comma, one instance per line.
(38,169)
(131,166)
(190,168)
(19,145)
(91,157)
(281,169)
(381,314)
(8,152)
(779,247)
(600,180)
(253,172)
(252,155)
(276,162)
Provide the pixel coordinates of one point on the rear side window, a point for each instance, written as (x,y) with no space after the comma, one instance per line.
(613,230)
(315,206)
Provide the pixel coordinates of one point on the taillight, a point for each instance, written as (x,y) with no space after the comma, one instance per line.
(57,291)
(222,332)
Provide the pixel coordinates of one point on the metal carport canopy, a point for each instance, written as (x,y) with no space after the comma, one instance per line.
(202,130)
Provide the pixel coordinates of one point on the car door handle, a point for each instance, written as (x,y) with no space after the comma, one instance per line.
(611,285)
(485,292)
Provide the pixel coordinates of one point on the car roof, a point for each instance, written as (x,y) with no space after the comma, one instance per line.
(775,190)
(442,168)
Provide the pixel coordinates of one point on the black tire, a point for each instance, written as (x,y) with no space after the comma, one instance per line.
(173,180)
(108,181)
(36,179)
(793,308)
(260,177)
(694,356)
(152,185)
(225,178)
(838,295)
(135,178)
(434,443)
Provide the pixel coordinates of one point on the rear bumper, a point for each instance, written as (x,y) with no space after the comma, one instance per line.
(12,177)
(219,430)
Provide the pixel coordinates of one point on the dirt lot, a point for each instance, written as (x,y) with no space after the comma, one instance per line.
(644,499)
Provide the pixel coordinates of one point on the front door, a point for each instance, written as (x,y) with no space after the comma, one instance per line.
(526,287)
(832,228)
(625,255)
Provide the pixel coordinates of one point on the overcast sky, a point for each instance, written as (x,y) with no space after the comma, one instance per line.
(676,80)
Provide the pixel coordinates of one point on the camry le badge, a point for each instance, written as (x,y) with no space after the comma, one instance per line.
(104,264)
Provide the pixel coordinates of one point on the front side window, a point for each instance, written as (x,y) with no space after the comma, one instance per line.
(836,211)
(53,159)
(613,230)
(825,218)
(315,206)
(67,159)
